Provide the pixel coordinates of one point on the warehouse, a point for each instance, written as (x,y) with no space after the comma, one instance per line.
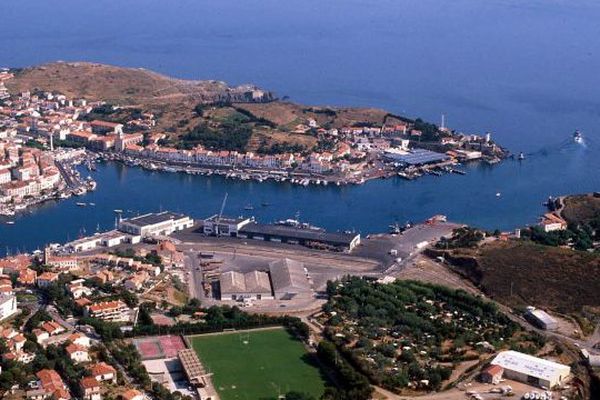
(223,226)
(299,235)
(416,157)
(289,279)
(156,224)
(531,370)
(541,319)
(254,285)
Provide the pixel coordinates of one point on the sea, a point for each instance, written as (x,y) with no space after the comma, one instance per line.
(525,71)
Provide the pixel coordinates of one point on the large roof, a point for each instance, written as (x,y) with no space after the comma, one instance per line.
(317,235)
(288,277)
(250,282)
(153,218)
(417,157)
(530,365)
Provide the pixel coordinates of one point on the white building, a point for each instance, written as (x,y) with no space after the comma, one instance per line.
(531,370)
(8,306)
(224,226)
(541,319)
(156,224)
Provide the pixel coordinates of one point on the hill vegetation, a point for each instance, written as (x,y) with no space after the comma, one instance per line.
(521,273)
(191,112)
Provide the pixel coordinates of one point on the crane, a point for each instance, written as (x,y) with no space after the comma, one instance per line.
(218,221)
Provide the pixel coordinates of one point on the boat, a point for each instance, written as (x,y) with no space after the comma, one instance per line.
(92,204)
(521,156)
(265,204)
(10,222)
(20,206)
(498,194)
(249,207)
(577,137)
(80,204)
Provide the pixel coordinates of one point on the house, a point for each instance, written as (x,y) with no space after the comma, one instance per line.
(46,279)
(552,222)
(78,290)
(51,382)
(492,374)
(103,372)
(79,339)
(40,336)
(52,328)
(132,394)
(90,388)
(77,353)
(115,311)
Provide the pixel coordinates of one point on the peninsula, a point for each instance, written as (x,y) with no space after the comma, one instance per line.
(205,127)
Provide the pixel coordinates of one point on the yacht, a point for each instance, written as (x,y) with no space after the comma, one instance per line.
(521,156)
(577,137)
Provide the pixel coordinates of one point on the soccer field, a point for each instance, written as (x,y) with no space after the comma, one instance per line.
(257,364)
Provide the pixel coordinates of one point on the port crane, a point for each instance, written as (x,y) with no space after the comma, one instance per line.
(218,221)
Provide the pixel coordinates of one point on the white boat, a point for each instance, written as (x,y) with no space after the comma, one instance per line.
(10,222)
(498,194)
(577,137)
(79,204)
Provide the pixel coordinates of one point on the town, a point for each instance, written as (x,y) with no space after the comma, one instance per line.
(124,314)
(349,154)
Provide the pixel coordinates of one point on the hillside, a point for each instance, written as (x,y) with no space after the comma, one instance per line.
(198,107)
(581,209)
(124,86)
(521,273)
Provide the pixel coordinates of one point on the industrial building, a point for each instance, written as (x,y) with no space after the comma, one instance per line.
(299,235)
(289,279)
(531,370)
(541,319)
(156,224)
(253,285)
(415,157)
(223,226)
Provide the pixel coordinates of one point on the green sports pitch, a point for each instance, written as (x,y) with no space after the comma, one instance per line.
(257,365)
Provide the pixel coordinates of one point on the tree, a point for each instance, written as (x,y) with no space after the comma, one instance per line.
(293,395)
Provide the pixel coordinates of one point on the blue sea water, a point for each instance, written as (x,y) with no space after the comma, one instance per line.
(528,73)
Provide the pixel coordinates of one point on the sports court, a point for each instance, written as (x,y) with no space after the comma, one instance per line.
(157,347)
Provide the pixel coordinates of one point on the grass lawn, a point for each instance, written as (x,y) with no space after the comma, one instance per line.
(271,361)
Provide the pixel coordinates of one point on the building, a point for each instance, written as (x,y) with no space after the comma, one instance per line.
(77,353)
(103,372)
(8,306)
(132,394)
(191,366)
(115,311)
(415,157)
(90,388)
(289,279)
(156,224)
(224,226)
(492,374)
(305,236)
(541,319)
(552,222)
(51,382)
(46,279)
(531,370)
(253,285)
